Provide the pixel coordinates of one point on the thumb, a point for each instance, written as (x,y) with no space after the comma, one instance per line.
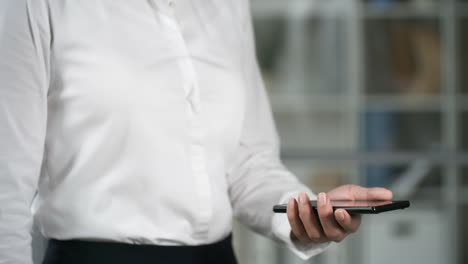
(355,192)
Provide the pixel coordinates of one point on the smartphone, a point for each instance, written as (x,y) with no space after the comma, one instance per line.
(356,207)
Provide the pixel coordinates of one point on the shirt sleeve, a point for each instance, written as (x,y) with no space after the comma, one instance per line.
(23,108)
(257,178)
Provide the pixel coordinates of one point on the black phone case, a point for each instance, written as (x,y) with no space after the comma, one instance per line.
(395,205)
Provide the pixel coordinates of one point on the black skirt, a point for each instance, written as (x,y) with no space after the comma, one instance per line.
(86,252)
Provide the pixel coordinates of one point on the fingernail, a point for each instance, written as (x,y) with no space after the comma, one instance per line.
(303,198)
(340,215)
(291,202)
(322,198)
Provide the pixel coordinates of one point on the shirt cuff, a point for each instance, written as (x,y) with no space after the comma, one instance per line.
(282,230)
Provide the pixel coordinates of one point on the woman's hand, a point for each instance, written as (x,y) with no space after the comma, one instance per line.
(309,227)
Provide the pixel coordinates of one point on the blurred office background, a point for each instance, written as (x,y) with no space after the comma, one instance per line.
(372,92)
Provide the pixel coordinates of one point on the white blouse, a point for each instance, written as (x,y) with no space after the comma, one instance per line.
(140,121)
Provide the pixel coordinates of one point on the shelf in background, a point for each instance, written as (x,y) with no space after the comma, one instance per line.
(437,158)
(401,11)
(415,103)
(345,102)
(304,103)
(281,8)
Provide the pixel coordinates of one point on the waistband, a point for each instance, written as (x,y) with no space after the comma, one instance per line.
(92,252)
